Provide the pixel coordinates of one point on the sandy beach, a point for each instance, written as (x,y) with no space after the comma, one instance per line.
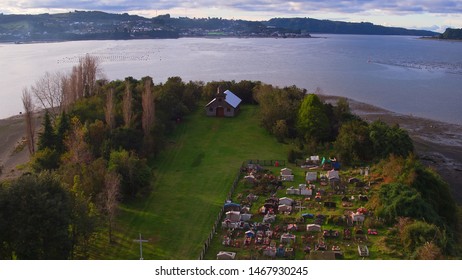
(437,144)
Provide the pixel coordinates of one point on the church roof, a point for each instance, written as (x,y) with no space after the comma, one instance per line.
(230,98)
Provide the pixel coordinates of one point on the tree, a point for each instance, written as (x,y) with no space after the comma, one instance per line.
(78,149)
(312,122)
(127,104)
(62,131)
(45,159)
(135,173)
(49,92)
(174,99)
(5,234)
(110,197)
(81,82)
(39,218)
(342,109)
(47,139)
(29,119)
(148,115)
(244,90)
(338,115)
(90,70)
(388,140)
(280,130)
(84,220)
(96,137)
(353,144)
(129,139)
(278,104)
(109,109)
(148,107)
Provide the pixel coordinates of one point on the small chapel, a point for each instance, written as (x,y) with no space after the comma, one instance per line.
(225,104)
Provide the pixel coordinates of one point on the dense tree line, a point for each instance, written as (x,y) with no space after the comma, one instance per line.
(452,34)
(290,114)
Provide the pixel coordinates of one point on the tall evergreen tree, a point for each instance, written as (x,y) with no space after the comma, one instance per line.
(47,139)
(64,126)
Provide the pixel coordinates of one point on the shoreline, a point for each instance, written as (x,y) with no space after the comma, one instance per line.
(437,144)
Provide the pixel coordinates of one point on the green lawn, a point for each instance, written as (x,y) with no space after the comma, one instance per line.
(192,178)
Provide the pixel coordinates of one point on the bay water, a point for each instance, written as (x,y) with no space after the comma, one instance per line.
(403,74)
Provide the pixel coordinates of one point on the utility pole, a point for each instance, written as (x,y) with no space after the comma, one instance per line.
(141,245)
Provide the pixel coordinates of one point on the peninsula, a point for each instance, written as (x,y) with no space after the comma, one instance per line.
(96,25)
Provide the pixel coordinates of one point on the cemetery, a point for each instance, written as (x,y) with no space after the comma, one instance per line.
(313,210)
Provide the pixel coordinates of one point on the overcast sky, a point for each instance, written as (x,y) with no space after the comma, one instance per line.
(422,14)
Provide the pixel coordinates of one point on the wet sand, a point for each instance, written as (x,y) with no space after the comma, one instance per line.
(13,146)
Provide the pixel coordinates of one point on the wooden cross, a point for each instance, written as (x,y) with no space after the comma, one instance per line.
(141,245)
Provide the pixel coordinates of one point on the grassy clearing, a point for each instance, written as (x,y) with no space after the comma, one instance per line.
(192,177)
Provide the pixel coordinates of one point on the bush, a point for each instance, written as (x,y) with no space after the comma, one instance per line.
(136,174)
(126,138)
(45,159)
(417,234)
(39,212)
(293,155)
(398,200)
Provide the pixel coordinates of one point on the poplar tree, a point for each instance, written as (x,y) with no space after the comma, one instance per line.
(127,104)
(109,109)
(29,118)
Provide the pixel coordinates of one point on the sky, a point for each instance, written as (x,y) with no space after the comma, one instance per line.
(434,15)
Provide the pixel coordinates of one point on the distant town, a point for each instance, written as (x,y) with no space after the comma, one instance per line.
(80,25)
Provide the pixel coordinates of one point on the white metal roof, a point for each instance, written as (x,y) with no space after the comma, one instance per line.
(232,99)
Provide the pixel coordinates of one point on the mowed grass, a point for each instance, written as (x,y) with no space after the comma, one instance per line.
(192,178)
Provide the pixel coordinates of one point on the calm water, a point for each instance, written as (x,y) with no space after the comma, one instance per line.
(402,74)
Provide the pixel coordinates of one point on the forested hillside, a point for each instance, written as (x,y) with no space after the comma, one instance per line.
(94,25)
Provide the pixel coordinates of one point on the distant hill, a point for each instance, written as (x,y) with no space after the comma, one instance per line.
(339,27)
(95,25)
(452,34)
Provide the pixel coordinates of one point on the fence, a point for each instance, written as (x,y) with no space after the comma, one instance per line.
(266,162)
(220,216)
(230,194)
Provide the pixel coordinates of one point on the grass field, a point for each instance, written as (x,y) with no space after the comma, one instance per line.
(192,178)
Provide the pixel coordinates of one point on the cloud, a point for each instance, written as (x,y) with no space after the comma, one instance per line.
(276,7)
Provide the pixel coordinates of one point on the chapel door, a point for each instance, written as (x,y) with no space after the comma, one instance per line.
(220,112)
